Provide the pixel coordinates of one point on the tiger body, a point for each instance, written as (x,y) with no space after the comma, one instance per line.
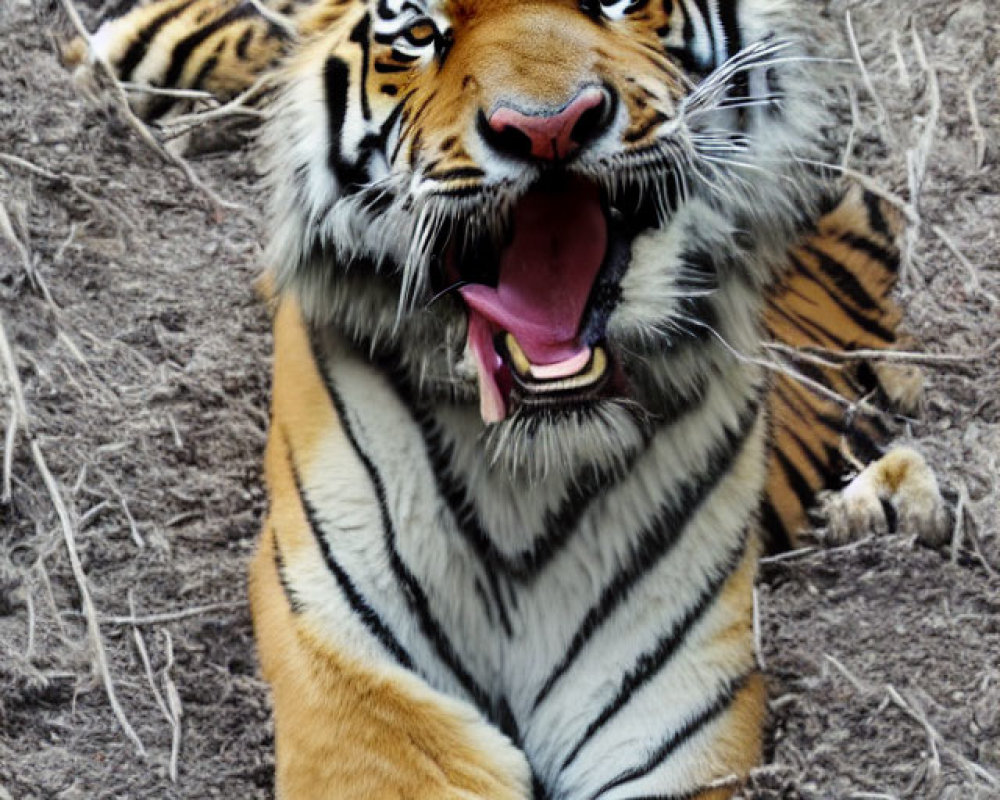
(525,255)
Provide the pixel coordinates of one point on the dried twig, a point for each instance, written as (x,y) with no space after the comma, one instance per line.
(8,452)
(73,181)
(162,91)
(980,556)
(133,528)
(918,157)
(29,601)
(883,117)
(853,132)
(904,73)
(936,741)
(281,21)
(974,283)
(69,537)
(140,646)
(853,679)
(829,358)
(810,553)
(173,705)
(7,232)
(172,616)
(959,527)
(238,106)
(869,184)
(978,134)
(169,707)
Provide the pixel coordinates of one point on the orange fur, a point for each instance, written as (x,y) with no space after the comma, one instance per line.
(811,432)
(344,729)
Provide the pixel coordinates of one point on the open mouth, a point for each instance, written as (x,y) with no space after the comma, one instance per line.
(539,305)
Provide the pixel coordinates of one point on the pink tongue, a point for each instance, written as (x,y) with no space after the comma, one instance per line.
(546,273)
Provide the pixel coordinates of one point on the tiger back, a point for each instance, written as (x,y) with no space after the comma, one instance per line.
(525,255)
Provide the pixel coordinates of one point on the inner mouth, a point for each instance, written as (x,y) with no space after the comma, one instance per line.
(538,306)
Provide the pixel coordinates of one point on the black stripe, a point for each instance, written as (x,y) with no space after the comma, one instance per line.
(484,601)
(723,700)
(501,604)
(633,136)
(456,174)
(182,52)
(740,82)
(887,258)
(410,587)
(243,43)
(813,331)
(776,535)
(815,460)
(804,493)
(694,794)
(834,269)
(403,58)
(658,539)
(876,219)
(357,601)
(138,49)
(279,565)
(559,525)
(206,69)
(359,34)
(650,663)
(385,69)
(843,279)
(731,27)
(557,529)
(458,191)
(336,82)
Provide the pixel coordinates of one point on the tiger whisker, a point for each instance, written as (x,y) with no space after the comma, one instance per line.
(445,291)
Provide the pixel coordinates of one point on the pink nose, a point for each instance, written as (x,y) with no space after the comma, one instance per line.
(557,135)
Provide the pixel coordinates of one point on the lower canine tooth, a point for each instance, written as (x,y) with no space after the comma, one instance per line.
(517,356)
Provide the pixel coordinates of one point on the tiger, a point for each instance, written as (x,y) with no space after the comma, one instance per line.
(529,263)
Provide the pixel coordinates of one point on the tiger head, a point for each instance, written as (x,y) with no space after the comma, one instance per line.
(561,210)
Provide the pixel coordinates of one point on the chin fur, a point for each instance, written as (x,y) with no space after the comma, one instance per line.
(533,444)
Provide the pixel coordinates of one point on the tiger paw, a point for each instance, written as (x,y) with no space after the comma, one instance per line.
(897,492)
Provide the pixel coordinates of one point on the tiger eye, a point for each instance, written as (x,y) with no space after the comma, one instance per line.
(421,32)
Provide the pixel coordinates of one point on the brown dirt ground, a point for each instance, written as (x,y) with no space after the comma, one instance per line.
(146,381)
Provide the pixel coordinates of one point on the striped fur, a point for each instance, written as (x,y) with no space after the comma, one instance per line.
(834,295)
(557,604)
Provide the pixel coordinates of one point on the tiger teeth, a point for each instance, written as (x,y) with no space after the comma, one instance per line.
(569,367)
(517,356)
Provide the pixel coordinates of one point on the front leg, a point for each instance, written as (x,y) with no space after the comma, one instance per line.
(345,731)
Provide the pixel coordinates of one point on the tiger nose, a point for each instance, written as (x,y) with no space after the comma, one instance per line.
(551,137)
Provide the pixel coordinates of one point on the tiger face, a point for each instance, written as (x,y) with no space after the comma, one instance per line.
(533,204)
